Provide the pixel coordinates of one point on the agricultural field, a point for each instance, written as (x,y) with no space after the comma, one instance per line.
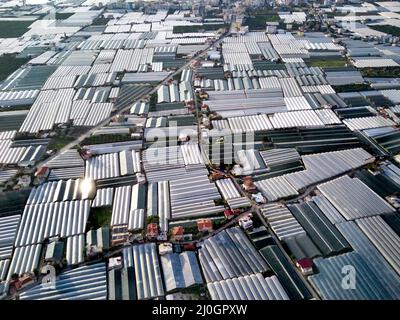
(258,21)
(394,31)
(9,63)
(99,217)
(352,87)
(327,63)
(13,29)
(205,27)
(387,72)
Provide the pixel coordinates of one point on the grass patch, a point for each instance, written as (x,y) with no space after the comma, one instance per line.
(106,138)
(13,29)
(257,19)
(9,63)
(352,87)
(394,31)
(152,219)
(99,217)
(153,99)
(327,63)
(59,141)
(204,27)
(386,72)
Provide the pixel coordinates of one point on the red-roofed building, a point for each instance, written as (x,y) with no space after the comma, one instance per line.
(228,214)
(42,172)
(305,265)
(152,231)
(177,233)
(205,225)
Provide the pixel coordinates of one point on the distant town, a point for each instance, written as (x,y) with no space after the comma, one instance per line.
(199,150)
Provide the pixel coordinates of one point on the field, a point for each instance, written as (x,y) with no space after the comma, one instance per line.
(258,22)
(205,27)
(59,141)
(9,63)
(106,138)
(99,217)
(352,87)
(13,29)
(327,63)
(63,16)
(387,72)
(394,31)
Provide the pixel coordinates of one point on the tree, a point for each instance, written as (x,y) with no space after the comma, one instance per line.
(152,219)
